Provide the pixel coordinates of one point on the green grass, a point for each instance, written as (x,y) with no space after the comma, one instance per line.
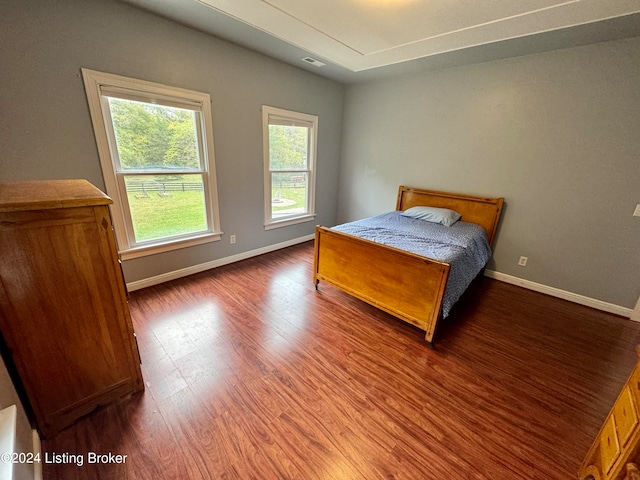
(183,212)
(297,194)
(158,217)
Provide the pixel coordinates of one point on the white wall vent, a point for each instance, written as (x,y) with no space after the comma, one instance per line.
(313,61)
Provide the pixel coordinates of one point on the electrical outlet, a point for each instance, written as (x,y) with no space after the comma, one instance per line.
(523,261)
(232,239)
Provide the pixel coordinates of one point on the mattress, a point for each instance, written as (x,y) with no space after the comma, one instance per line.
(464,246)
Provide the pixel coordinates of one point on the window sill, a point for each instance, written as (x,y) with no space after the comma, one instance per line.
(152,249)
(285,222)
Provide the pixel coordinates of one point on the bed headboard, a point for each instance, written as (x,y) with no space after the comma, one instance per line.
(481,210)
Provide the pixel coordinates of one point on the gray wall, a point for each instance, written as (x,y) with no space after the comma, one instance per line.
(557,134)
(46,130)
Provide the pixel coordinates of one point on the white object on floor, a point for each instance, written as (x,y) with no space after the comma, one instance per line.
(7,440)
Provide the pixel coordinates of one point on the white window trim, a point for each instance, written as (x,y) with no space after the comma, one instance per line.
(97,82)
(295,118)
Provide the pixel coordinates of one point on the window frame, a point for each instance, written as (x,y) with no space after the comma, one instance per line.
(292,118)
(99,86)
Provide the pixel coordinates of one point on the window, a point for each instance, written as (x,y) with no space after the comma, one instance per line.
(289,140)
(156,149)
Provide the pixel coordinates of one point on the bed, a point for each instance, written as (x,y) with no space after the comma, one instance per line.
(411,286)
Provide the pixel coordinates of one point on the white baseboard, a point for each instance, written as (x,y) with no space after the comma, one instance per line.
(556,292)
(183,272)
(538,287)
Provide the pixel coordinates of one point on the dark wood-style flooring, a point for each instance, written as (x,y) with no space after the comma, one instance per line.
(252,374)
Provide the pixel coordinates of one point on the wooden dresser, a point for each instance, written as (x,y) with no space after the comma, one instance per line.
(64,316)
(615,453)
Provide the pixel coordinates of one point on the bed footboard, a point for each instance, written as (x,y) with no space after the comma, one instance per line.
(403,284)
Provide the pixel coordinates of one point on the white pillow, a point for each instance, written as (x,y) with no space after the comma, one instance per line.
(443,216)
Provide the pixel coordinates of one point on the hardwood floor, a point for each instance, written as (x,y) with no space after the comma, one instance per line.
(252,374)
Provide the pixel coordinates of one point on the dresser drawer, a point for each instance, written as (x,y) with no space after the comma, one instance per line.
(609,445)
(616,450)
(634,385)
(626,415)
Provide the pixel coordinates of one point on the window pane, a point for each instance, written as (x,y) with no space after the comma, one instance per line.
(288,147)
(288,193)
(166,205)
(154,137)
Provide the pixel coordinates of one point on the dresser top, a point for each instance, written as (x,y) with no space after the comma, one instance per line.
(47,194)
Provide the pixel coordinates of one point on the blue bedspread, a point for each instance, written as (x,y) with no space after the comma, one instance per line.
(463,245)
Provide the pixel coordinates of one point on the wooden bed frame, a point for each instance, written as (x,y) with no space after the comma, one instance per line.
(404,284)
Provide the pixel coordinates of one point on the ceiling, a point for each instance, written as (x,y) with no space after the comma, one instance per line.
(357,40)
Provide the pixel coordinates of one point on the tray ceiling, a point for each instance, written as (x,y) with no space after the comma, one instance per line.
(364,35)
